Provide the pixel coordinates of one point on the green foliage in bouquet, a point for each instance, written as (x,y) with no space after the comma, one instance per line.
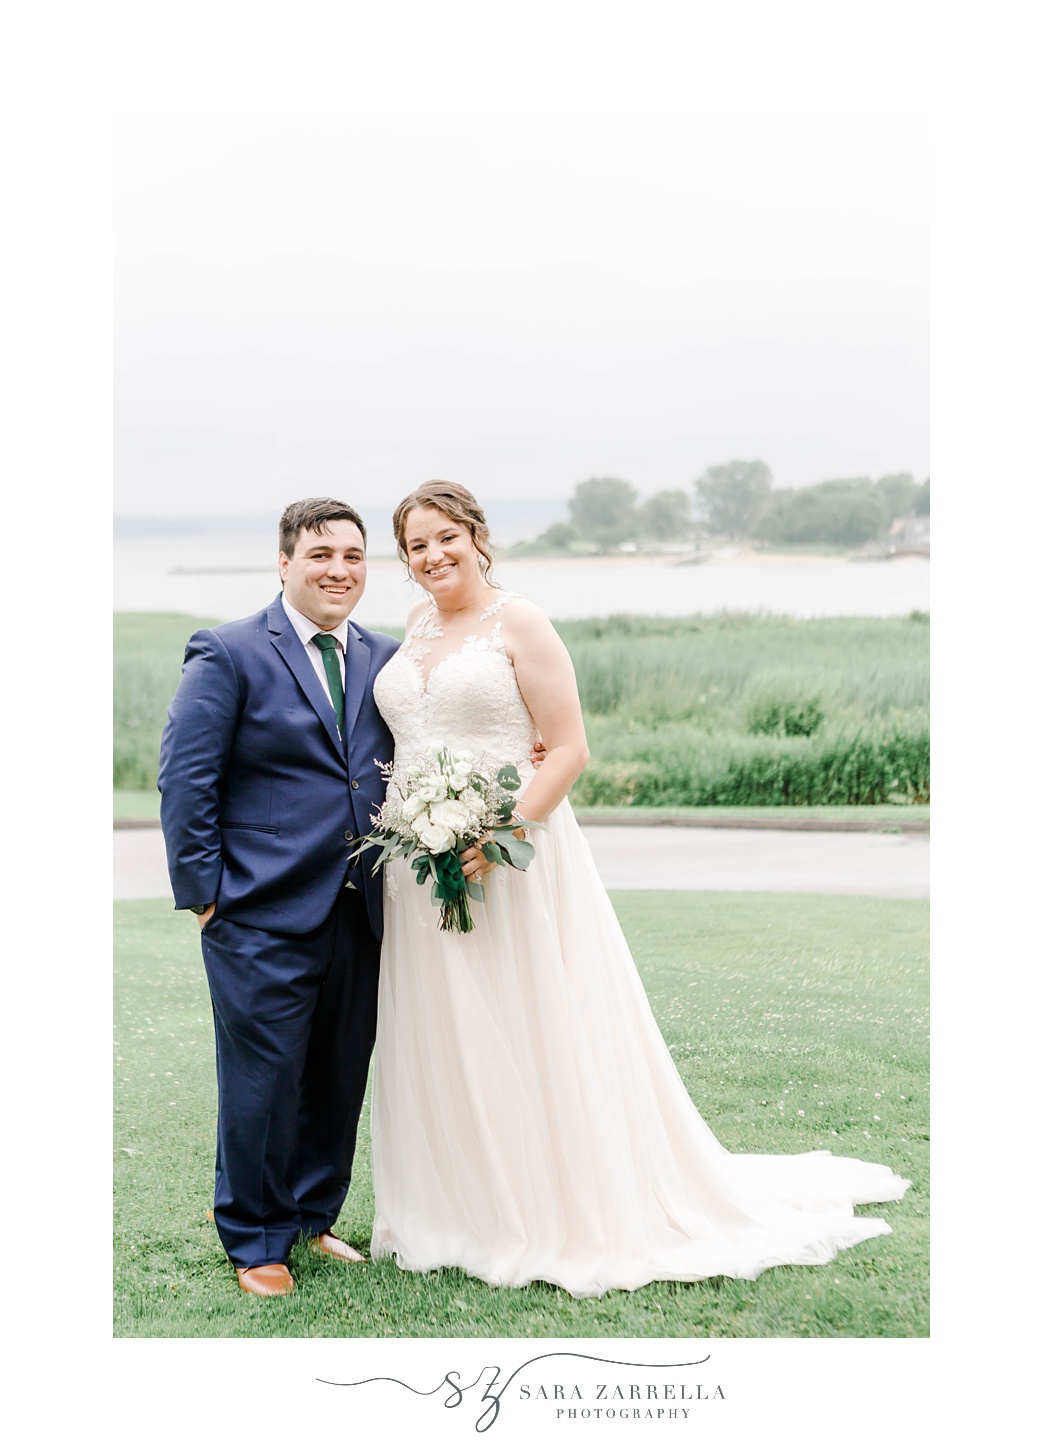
(438,806)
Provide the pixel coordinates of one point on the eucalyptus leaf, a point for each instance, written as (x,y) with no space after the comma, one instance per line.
(520,853)
(492,852)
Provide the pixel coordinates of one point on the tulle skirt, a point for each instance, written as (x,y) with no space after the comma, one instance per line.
(529,1122)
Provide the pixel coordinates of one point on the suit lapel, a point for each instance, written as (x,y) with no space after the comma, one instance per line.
(356,677)
(288,643)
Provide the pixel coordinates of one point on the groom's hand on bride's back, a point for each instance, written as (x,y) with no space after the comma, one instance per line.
(539,751)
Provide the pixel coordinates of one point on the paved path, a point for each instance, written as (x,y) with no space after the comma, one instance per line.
(871,864)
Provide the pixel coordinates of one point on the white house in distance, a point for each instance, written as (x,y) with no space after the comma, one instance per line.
(909,536)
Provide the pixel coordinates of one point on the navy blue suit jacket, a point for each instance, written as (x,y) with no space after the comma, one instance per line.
(259,793)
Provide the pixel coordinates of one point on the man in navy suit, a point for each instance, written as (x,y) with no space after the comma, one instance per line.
(268,767)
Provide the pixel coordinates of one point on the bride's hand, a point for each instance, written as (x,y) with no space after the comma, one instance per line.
(476,864)
(473,861)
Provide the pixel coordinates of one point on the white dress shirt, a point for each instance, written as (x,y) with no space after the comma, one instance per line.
(307,630)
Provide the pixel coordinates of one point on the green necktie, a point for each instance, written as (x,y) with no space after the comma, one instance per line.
(330,648)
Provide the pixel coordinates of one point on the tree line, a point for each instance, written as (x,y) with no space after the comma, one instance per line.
(735,500)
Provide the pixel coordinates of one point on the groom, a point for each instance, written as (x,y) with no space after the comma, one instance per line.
(267,770)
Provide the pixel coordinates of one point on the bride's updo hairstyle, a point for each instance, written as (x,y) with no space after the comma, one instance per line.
(456,503)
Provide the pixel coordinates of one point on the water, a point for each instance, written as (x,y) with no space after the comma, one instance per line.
(570,589)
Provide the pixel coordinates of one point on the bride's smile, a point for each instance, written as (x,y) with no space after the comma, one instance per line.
(443,559)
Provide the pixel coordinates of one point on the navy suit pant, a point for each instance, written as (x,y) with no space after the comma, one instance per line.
(295,1021)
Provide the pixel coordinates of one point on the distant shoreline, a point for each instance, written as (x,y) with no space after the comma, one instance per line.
(715,558)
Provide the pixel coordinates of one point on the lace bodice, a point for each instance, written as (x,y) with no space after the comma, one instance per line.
(468,700)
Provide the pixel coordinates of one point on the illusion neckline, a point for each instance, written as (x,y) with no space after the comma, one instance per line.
(468,646)
(422,630)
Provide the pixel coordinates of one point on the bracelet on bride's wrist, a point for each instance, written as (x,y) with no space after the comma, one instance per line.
(515,816)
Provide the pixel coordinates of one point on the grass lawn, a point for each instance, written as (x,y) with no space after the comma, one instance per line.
(797,1022)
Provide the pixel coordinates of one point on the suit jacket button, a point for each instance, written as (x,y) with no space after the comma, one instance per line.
(354,785)
(348,836)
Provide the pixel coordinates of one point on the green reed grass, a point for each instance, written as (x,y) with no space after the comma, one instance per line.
(706,670)
(679,711)
(147,655)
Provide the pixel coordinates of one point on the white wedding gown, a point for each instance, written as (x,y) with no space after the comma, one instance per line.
(528,1120)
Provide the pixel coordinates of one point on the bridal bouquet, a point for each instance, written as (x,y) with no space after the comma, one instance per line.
(438,805)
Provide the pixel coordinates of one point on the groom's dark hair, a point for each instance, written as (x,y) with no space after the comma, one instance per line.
(313,514)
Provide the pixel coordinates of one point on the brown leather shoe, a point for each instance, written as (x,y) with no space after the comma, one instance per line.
(329,1244)
(266,1280)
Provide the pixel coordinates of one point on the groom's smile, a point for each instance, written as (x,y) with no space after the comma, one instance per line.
(325,575)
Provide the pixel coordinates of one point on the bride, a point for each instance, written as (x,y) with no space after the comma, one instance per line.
(528,1120)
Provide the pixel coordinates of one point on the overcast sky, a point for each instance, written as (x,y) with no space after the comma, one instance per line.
(350,305)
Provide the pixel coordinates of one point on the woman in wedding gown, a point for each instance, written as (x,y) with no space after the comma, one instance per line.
(528,1120)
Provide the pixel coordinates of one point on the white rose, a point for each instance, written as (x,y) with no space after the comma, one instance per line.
(411,806)
(459,776)
(471,799)
(452,815)
(437,838)
(431,788)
